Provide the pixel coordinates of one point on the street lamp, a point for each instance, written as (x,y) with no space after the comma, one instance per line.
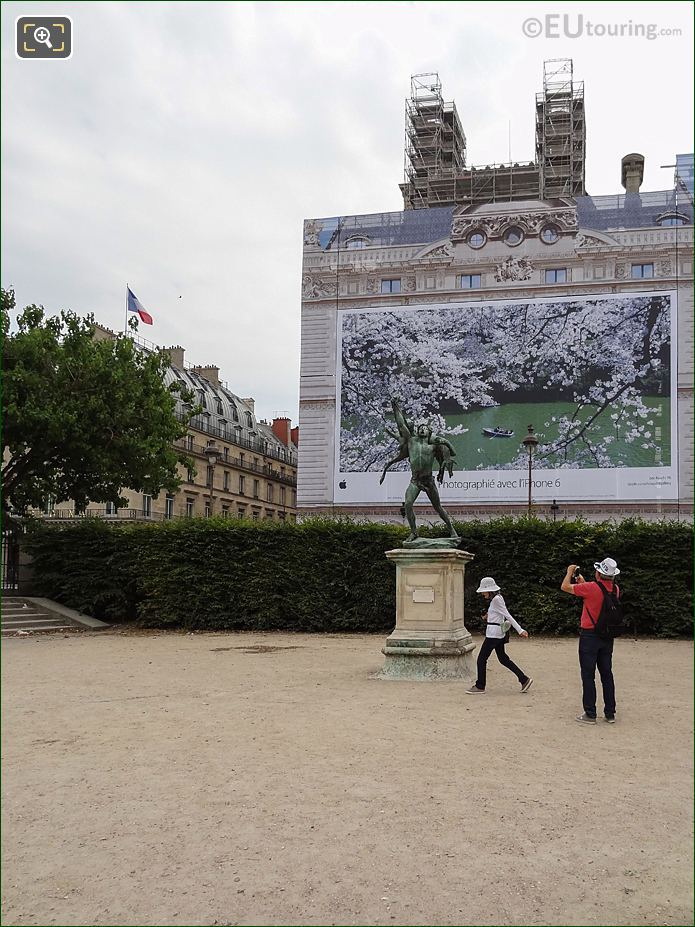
(212,453)
(530,442)
(554,508)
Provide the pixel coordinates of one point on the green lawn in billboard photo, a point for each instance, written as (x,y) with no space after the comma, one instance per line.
(474,449)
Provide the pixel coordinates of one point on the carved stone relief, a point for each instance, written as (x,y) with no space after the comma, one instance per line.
(587,241)
(513,269)
(445,250)
(665,268)
(530,223)
(314,287)
(312,227)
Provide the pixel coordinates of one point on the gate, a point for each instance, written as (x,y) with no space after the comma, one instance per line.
(11,533)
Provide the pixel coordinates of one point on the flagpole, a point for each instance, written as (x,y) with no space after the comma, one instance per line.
(125,324)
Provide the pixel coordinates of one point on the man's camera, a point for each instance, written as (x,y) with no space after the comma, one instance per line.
(575,576)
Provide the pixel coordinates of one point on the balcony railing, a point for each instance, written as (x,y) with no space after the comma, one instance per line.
(123,515)
(199,423)
(265,469)
(101,512)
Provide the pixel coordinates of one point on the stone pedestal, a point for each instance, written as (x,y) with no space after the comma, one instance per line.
(430,640)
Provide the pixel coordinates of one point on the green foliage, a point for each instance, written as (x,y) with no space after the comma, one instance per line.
(83,417)
(327,575)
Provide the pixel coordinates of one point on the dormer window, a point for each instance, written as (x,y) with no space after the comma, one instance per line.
(249,420)
(353,244)
(671,219)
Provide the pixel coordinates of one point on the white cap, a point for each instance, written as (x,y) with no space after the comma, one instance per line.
(487,584)
(607,567)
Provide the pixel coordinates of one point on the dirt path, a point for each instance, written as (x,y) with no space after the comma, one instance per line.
(185,779)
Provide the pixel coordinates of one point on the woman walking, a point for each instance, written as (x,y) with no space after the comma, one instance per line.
(496,634)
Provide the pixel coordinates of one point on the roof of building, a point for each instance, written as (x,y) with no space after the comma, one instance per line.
(422,226)
(227,415)
(631,210)
(384,229)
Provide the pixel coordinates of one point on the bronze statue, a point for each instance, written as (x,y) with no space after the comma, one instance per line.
(422,448)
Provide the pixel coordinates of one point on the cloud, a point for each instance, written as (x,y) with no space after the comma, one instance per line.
(181,147)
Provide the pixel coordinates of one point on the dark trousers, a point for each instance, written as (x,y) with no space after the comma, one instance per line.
(496,644)
(594,652)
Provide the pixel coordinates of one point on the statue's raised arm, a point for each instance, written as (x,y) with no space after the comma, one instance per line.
(405,428)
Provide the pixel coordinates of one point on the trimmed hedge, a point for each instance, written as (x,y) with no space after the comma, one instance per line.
(331,575)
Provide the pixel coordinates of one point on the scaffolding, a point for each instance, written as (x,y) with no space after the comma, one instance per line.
(497,183)
(435,172)
(560,131)
(435,145)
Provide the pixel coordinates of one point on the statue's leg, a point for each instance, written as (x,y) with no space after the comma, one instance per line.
(411,494)
(433,496)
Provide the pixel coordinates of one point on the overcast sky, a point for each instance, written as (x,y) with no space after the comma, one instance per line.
(183,144)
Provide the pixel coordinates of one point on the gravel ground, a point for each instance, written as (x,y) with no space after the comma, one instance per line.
(157,779)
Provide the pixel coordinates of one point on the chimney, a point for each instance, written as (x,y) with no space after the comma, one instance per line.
(102,333)
(251,403)
(209,372)
(632,172)
(281,429)
(176,354)
(294,434)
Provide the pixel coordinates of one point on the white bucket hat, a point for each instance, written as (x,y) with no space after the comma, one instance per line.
(607,567)
(487,584)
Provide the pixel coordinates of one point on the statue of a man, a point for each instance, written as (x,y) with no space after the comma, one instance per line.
(422,448)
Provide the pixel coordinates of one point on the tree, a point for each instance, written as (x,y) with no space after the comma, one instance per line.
(83,417)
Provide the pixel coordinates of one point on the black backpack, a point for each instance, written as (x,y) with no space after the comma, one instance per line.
(610,621)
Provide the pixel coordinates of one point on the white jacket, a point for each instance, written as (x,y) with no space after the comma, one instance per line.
(497,612)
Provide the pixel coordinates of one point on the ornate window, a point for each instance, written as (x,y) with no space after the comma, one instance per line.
(513,236)
(550,234)
(477,239)
(469,281)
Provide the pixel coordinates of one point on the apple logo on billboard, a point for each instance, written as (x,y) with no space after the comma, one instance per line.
(342,484)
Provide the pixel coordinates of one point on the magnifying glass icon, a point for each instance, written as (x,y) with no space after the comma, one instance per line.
(43,36)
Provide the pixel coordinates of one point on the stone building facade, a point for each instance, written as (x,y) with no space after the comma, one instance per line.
(628,243)
(255,461)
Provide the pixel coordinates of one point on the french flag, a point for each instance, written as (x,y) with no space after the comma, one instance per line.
(134,305)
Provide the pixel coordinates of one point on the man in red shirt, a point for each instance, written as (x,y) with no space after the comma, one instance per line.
(594,650)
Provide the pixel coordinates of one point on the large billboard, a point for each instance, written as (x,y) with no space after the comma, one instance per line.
(594,375)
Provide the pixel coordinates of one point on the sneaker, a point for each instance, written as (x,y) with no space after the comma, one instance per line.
(527,685)
(474,690)
(610,719)
(585,719)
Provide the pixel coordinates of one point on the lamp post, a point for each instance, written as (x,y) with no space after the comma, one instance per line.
(530,442)
(554,508)
(212,453)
